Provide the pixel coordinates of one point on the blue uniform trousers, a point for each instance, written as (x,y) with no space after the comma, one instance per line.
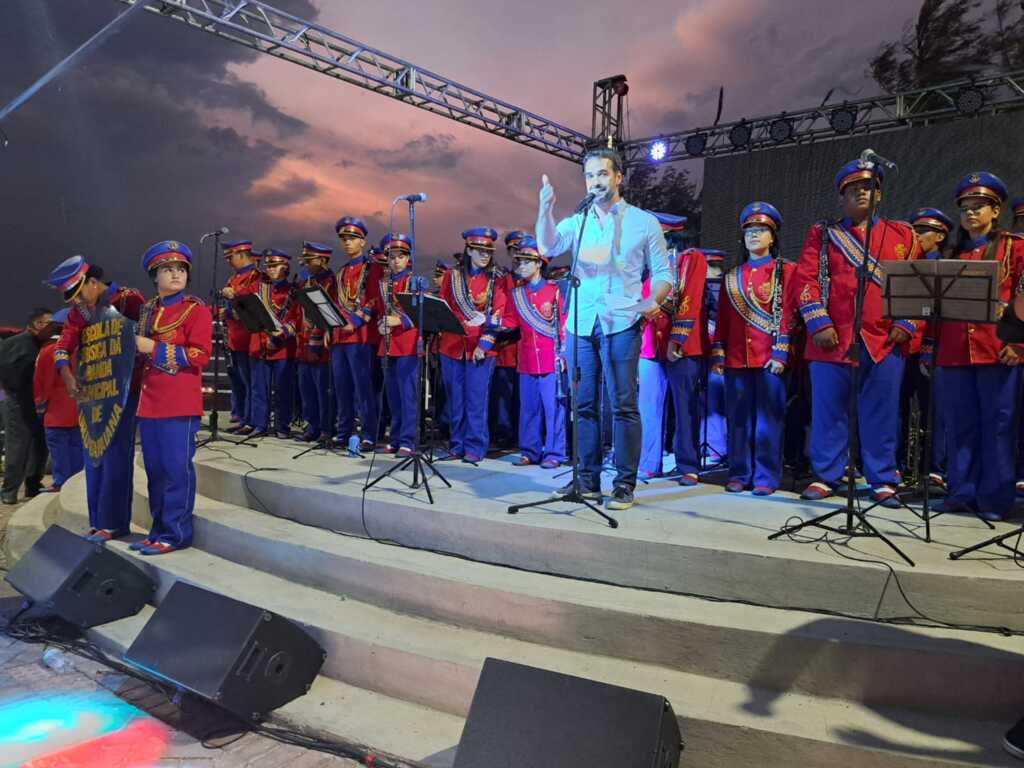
(683,378)
(878,409)
(241,382)
(277,377)
(653,391)
(66,450)
(981,405)
(168,446)
(503,405)
(108,487)
(541,419)
(468,388)
(714,422)
(315,386)
(352,372)
(755,406)
(400,384)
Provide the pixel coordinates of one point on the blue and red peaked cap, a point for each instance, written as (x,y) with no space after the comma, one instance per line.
(68,277)
(349,225)
(982,184)
(761,214)
(396,241)
(527,249)
(932,218)
(482,238)
(166,252)
(274,256)
(1017,205)
(670,222)
(513,237)
(232,247)
(316,250)
(858,170)
(713,255)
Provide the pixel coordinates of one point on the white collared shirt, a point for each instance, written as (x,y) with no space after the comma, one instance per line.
(615,251)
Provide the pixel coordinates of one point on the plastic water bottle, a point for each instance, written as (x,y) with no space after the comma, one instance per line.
(57,660)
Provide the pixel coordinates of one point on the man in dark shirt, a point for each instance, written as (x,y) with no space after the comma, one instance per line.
(25,438)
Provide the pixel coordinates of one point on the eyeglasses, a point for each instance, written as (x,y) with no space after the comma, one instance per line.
(974,207)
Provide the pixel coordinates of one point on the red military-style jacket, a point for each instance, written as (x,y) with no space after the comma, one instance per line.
(246,280)
(465,293)
(531,309)
(51,396)
(172,376)
(264,346)
(657,332)
(977,343)
(404,336)
(890,240)
(507,351)
(312,342)
(749,299)
(353,292)
(690,321)
(126,301)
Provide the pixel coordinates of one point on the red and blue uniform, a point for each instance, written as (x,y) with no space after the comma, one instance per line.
(60,417)
(314,355)
(171,403)
(245,281)
(273,356)
(398,350)
(978,393)
(109,488)
(881,362)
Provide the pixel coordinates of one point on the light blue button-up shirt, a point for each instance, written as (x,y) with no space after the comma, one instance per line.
(615,250)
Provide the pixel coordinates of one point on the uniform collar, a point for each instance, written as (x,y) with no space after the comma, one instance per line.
(246,268)
(280,283)
(970,245)
(754,263)
(473,271)
(357,260)
(936,254)
(850,224)
(174,298)
(322,272)
(536,285)
(401,274)
(112,290)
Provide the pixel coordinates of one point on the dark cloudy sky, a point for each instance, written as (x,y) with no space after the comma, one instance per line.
(167,132)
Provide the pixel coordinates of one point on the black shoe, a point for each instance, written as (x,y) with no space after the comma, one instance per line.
(589,494)
(621,498)
(1013,741)
(9,498)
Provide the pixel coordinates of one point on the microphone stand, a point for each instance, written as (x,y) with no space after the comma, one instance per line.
(856,518)
(575,496)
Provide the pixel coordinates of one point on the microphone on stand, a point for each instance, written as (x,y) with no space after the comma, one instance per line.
(418,197)
(870,156)
(585,202)
(221,231)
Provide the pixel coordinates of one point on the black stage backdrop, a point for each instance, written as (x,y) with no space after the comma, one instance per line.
(798,180)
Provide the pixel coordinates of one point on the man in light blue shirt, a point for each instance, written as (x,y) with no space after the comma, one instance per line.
(618,245)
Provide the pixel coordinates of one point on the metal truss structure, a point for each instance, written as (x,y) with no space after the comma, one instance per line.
(959,99)
(262,27)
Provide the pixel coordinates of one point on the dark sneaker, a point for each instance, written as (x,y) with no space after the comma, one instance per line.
(589,494)
(621,498)
(1013,741)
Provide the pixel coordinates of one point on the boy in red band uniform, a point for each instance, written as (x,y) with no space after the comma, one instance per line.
(826,288)
(59,413)
(751,347)
(978,388)
(505,383)
(238,254)
(273,354)
(397,345)
(476,292)
(175,337)
(109,486)
(313,354)
(536,308)
(354,346)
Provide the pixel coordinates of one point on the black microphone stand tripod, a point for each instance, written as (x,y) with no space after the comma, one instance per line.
(575,496)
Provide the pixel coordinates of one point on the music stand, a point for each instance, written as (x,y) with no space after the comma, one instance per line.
(429,314)
(939,289)
(257,318)
(326,315)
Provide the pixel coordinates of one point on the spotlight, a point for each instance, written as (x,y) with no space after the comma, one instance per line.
(695,144)
(658,151)
(739,134)
(970,100)
(842,119)
(781,130)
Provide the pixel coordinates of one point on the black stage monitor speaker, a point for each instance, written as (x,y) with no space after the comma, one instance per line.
(524,717)
(83,583)
(245,659)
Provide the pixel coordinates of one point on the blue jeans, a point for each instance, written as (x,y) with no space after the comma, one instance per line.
(616,357)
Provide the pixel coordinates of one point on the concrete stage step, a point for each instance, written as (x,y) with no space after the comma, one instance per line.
(435,664)
(691,540)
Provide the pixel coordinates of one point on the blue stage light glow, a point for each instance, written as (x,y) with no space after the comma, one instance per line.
(658,151)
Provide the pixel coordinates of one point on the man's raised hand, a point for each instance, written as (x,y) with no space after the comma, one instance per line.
(547,195)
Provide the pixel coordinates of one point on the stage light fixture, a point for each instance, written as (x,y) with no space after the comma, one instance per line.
(781,129)
(970,100)
(739,135)
(696,144)
(843,119)
(658,151)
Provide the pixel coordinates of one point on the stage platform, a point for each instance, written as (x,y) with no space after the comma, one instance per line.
(686,598)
